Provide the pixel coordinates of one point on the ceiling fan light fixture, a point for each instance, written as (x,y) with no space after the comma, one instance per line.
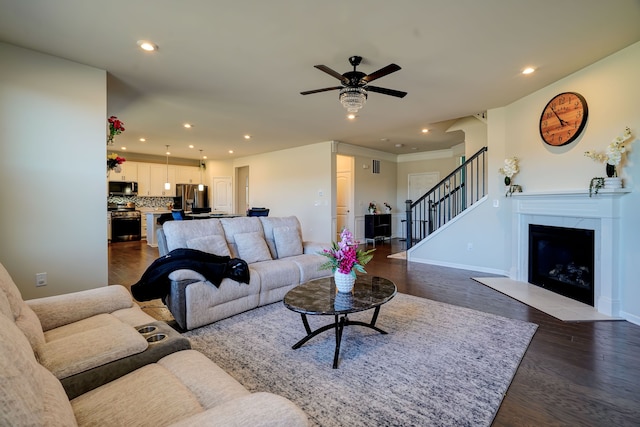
(353,98)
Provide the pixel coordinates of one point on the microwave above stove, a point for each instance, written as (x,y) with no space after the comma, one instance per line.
(123,188)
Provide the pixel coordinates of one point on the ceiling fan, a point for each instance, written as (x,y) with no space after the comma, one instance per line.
(355,84)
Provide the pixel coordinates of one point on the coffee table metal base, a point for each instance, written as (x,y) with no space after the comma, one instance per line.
(340,322)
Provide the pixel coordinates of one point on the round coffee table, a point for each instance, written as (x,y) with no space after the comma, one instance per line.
(320,297)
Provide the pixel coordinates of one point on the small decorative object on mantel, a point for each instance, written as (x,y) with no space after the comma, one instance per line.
(116,127)
(611,158)
(509,170)
(372,208)
(513,188)
(345,259)
(595,185)
(113,163)
(387,208)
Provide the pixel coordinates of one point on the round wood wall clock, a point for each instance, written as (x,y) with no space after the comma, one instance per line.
(563,118)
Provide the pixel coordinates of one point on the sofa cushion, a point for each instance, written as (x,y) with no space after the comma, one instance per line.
(213,244)
(270,223)
(178,232)
(29,394)
(150,396)
(89,343)
(288,241)
(19,312)
(233,226)
(252,247)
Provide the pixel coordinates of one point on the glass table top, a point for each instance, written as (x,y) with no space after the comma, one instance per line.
(321,297)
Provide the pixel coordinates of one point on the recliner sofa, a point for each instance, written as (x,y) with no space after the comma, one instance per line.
(183,388)
(273,247)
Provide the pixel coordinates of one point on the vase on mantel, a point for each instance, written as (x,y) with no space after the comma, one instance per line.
(612,181)
(344,282)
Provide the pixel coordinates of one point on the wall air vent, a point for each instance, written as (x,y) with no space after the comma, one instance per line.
(376,166)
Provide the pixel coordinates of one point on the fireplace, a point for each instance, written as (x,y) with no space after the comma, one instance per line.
(562,260)
(574,209)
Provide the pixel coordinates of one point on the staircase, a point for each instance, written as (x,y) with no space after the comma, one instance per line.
(453,195)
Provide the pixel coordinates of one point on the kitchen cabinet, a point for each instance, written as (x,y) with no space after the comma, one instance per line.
(157,178)
(188,175)
(128,172)
(151,179)
(152,226)
(377,226)
(144,179)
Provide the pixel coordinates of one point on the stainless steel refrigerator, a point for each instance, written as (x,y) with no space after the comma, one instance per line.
(191,197)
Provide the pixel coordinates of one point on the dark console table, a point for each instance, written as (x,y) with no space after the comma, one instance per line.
(377,227)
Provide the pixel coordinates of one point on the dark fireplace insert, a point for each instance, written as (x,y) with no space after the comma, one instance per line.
(562,260)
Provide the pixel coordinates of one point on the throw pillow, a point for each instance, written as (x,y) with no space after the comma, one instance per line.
(213,244)
(288,241)
(252,247)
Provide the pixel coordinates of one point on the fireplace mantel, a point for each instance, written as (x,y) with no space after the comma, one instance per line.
(574,209)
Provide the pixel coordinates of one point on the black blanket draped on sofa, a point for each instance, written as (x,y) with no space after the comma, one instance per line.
(155,282)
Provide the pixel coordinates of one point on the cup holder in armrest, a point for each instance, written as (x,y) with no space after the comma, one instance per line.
(155,338)
(147,329)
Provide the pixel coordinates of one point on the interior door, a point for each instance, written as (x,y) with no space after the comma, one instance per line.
(222,194)
(242,189)
(344,195)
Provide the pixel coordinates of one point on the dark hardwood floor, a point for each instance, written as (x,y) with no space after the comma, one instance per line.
(573,374)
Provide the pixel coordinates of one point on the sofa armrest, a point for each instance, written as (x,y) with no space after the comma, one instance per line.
(63,309)
(186,274)
(259,409)
(314,247)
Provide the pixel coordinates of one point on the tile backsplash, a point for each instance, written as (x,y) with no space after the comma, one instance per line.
(142,202)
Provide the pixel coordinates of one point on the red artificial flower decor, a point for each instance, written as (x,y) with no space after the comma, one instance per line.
(116,127)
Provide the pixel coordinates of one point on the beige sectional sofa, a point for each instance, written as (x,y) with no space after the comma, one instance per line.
(273,247)
(46,339)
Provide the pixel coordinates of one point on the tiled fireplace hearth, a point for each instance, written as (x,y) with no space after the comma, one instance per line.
(574,209)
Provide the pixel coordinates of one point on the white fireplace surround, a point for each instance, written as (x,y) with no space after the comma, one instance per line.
(575,209)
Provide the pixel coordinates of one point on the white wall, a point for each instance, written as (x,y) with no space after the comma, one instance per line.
(297,181)
(612,91)
(53,172)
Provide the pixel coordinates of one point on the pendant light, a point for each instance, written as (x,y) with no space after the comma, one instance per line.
(167,184)
(201,185)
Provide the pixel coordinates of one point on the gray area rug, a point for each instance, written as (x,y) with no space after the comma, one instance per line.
(439,365)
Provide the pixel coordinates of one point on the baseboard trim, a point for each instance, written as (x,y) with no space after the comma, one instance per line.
(460,266)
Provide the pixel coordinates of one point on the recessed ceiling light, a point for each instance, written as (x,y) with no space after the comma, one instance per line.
(142,140)
(204,157)
(147,45)
(190,145)
(399,145)
(351,116)
(247,137)
(528,70)
(123,148)
(230,151)
(188,125)
(425,130)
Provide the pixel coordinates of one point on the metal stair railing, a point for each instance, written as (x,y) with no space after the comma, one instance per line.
(451,196)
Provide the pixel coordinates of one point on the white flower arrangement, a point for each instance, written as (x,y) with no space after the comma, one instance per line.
(510,168)
(614,152)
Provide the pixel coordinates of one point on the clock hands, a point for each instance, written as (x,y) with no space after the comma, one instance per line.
(562,122)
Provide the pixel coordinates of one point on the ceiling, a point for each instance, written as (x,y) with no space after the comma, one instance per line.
(237,67)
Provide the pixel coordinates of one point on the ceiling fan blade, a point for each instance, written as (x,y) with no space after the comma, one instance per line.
(391,68)
(309,92)
(384,91)
(331,72)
